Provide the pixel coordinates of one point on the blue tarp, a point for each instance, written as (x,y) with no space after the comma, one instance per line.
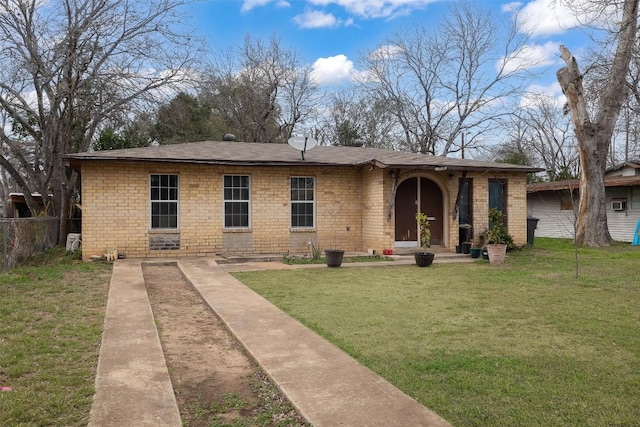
(636,236)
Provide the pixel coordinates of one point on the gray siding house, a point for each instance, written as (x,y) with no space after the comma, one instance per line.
(551,203)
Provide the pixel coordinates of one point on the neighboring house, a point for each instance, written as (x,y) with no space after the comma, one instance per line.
(552,203)
(18,207)
(207,198)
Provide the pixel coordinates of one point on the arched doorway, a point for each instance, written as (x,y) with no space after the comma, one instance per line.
(411,194)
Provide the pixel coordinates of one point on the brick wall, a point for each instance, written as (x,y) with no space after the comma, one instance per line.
(115,201)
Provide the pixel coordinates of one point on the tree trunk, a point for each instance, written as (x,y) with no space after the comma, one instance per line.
(594,138)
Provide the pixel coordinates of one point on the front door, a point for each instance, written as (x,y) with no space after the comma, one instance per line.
(431,205)
(406,204)
(411,193)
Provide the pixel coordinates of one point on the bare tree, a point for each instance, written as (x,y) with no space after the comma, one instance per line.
(548,137)
(65,67)
(261,92)
(352,115)
(448,81)
(594,135)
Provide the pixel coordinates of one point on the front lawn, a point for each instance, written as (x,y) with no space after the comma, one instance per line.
(523,344)
(51,317)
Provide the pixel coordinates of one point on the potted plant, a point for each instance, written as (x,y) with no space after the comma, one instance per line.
(465,238)
(476,250)
(497,237)
(333,257)
(424,258)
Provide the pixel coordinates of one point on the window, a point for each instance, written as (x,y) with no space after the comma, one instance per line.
(303,203)
(466,200)
(619,204)
(237,198)
(164,201)
(498,195)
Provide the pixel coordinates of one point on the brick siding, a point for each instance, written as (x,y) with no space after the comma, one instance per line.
(115,203)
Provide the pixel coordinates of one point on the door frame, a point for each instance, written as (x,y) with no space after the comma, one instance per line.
(445,204)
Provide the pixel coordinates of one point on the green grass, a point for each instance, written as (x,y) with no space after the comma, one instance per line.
(51,315)
(523,344)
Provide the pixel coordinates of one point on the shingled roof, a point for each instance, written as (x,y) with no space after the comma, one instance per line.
(260,154)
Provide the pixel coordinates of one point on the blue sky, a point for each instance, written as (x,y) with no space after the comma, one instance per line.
(330,34)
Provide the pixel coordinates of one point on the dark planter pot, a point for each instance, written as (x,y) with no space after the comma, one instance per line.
(458,249)
(424,259)
(475,252)
(466,248)
(333,257)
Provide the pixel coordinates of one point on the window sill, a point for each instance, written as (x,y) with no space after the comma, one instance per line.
(236,230)
(303,230)
(164,231)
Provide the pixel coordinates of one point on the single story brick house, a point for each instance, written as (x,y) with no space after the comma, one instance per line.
(552,203)
(206,198)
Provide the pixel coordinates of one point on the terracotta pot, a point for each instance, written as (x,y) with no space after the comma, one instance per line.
(497,253)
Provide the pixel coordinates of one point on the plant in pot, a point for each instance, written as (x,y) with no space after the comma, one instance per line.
(424,258)
(333,257)
(497,237)
(465,237)
(476,250)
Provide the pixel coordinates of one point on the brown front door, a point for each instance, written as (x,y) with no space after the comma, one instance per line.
(406,203)
(431,205)
(427,193)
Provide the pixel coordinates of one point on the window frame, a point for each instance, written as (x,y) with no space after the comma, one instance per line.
(504,184)
(300,202)
(225,201)
(167,201)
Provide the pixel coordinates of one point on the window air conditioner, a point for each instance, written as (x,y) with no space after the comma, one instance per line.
(618,205)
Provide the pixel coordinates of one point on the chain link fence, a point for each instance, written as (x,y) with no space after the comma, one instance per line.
(24,237)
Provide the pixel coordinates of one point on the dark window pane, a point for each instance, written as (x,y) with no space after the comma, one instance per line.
(164,198)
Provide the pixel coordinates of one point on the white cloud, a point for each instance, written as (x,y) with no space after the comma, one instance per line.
(333,70)
(546,17)
(549,17)
(531,56)
(376,8)
(511,7)
(316,19)
(247,5)
(386,51)
(533,93)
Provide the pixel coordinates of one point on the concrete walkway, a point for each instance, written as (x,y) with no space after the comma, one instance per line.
(328,387)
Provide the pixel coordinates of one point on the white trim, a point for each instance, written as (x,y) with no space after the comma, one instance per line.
(176,201)
(313,202)
(224,203)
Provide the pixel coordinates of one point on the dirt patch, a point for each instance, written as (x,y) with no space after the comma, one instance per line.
(216,383)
